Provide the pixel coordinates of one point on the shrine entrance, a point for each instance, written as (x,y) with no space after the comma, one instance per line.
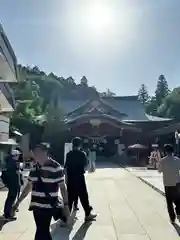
(105,135)
(104,146)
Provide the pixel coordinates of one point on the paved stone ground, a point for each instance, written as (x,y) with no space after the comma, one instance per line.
(151,177)
(127,209)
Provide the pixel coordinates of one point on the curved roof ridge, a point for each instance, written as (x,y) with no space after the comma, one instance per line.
(131,97)
(81,105)
(156,118)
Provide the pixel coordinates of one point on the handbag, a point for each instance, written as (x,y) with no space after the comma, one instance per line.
(58,211)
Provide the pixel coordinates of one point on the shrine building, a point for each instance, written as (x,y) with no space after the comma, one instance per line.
(109,124)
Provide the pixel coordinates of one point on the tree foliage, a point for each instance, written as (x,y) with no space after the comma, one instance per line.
(162,89)
(164,103)
(171,105)
(107,93)
(35,90)
(55,123)
(143,94)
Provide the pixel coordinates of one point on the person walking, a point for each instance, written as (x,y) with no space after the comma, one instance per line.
(170,167)
(52,178)
(93,160)
(12,183)
(76,162)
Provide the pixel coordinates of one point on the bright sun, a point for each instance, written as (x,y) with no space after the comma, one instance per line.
(99,17)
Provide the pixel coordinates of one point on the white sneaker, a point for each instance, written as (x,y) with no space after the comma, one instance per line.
(91,217)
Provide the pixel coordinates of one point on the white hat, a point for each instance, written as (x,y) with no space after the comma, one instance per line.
(15,152)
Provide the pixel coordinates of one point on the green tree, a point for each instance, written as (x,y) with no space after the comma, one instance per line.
(162,89)
(55,123)
(151,106)
(171,105)
(108,93)
(84,81)
(143,94)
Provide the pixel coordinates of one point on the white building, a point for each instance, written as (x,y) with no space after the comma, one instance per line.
(8,75)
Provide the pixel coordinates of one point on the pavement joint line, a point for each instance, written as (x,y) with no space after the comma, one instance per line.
(152,186)
(138,219)
(114,226)
(143,180)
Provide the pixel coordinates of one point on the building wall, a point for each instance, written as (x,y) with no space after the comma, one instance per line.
(7,58)
(4,128)
(8,74)
(8,93)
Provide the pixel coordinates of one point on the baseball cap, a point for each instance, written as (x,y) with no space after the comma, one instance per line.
(15,152)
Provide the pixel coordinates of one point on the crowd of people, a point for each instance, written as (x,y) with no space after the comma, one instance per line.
(47,177)
(45,180)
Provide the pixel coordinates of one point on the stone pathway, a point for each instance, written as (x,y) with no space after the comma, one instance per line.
(127,209)
(149,176)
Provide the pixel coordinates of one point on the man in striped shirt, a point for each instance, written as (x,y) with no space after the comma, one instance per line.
(52,178)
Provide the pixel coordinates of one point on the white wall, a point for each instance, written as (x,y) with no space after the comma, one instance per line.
(4,128)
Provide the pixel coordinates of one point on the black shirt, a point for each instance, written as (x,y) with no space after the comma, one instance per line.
(12,168)
(76,162)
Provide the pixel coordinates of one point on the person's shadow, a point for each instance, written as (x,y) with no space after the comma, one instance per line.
(177,228)
(4,222)
(63,233)
(81,232)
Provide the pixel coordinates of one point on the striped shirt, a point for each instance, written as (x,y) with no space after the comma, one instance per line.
(51,174)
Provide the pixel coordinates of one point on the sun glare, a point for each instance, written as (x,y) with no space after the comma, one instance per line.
(100,17)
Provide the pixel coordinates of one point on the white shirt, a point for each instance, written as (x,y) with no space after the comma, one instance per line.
(170,167)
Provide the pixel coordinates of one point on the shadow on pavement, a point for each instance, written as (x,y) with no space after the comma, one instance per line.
(81,232)
(58,231)
(3,222)
(177,228)
(63,233)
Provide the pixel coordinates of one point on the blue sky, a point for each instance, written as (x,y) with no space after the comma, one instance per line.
(122,45)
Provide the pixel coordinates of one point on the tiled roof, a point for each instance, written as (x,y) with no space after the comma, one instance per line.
(130,106)
(70,105)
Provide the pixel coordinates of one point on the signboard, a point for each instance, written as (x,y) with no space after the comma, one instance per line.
(67,148)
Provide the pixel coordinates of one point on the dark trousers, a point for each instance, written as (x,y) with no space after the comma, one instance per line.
(13,191)
(76,202)
(172,198)
(42,219)
(77,188)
